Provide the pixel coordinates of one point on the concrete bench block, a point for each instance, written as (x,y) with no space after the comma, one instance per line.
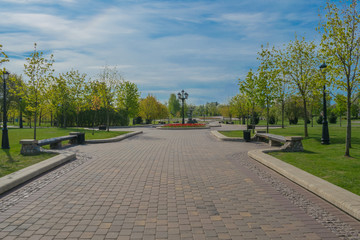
(29,147)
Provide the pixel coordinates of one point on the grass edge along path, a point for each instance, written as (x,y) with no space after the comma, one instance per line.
(11,160)
(324,161)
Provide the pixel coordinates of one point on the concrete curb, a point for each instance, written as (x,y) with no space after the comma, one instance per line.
(225,138)
(341,198)
(180,128)
(114,139)
(16,178)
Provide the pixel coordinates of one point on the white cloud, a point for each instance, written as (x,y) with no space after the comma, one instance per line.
(163,46)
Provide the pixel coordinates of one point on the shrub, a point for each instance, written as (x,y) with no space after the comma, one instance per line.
(256,119)
(320,119)
(138,120)
(293,120)
(272,119)
(332,118)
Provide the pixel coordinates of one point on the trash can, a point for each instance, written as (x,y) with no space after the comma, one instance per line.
(81,138)
(246,134)
(102,127)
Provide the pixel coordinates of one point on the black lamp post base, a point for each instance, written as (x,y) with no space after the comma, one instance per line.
(5,139)
(325,138)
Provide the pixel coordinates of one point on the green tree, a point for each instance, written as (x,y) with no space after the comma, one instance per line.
(225,111)
(301,64)
(162,111)
(266,85)
(340,44)
(110,79)
(149,108)
(39,70)
(63,97)
(282,83)
(340,107)
(128,98)
(76,82)
(248,88)
(174,105)
(238,106)
(3,56)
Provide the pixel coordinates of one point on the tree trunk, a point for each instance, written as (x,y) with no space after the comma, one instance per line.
(312,117)
(267,116)
(64,120)
(348,128)
(282,113)
(305,119)
(51,118)
(40,118)
(93,125)
(107,119)
(35,125)
(340,120)
(253,118)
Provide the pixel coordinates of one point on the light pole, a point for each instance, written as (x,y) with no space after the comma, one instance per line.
(20,118)
(325,139)
(5,136)
(182,96)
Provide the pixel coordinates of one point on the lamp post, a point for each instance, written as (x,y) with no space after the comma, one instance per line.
(20,118)
(182,96)
(325,139)
(5,136)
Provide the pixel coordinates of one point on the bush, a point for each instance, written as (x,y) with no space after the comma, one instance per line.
(138,120)
(272,120)
(293,120)
(332,118)
(320,119)
(256,119)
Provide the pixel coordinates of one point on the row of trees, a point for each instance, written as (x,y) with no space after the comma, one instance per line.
(70,99)
(294,69)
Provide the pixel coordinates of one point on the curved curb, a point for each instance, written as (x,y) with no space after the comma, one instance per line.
(183,128)
(114,139)
(341,198)
(225,138)
(16,178)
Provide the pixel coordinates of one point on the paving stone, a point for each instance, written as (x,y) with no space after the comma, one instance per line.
(168,185)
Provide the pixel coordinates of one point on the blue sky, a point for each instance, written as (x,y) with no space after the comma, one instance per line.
(163,46)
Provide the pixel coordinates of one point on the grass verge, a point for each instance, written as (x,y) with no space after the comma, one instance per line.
(11,160)
(238,134)
(325,161)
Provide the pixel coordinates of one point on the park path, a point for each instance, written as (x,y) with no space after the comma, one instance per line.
(172,184)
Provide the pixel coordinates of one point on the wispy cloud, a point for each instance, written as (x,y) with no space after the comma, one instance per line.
(163,46)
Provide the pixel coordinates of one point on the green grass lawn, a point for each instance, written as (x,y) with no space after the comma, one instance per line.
(325,161)
(11,160)
(232,133)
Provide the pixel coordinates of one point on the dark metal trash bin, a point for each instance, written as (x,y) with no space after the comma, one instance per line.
(81,138)
(102,127)
(246,134)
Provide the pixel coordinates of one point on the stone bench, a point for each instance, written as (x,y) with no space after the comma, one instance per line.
(291,143)
(32,146)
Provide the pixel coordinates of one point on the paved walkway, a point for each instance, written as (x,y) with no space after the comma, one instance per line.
(163,184)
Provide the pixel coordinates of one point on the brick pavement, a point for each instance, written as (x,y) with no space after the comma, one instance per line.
(166,185)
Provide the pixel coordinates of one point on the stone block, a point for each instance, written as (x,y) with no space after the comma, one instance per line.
(29,147)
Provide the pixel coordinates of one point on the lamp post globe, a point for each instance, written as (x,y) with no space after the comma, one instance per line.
(325,138)
(5,136)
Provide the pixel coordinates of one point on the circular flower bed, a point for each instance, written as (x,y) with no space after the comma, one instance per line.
(186,125)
